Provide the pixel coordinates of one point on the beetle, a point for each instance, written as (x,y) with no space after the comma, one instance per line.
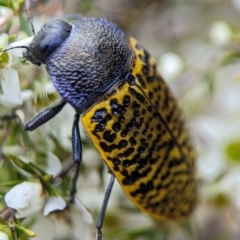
(128,112)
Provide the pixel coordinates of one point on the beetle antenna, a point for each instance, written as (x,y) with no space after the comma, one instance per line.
(26,8)
(5,50)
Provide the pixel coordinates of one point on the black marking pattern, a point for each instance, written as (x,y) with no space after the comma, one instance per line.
(145,142)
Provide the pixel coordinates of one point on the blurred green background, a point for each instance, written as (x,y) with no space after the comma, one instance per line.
(196,44)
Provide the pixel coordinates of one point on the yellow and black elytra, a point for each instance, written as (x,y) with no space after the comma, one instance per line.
(139,131)
(127,109)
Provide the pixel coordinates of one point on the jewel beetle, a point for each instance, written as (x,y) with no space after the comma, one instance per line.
(128,112)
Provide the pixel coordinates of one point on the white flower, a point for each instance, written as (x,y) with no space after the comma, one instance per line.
(3,236)
(3,40)
(220,33)
(9,79)
(54,165)
(84,212)
(68,223)
(11,96)
(17,52)
(52,219)
(27,198)
(54,204)
(170,65)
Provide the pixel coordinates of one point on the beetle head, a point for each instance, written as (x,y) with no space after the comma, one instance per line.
(46,41)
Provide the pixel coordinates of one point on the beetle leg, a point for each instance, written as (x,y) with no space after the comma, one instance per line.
(77,153)
(43,116)
(104,207)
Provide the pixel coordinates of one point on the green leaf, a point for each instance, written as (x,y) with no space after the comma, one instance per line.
(209,80)
(13,4)
(25,25)
(14,135)
(6,230)
(35,166)
(187,227)
(21,164)
(25,231)
(230,58)
(12,37)
(49,188)
(2,192)
(10,183)
(232,150)
(4,60)
(6,3)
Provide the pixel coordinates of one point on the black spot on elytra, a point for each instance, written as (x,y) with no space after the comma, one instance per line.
(150,95)
(145,70)
(120,86)
(128,152)
(126,163)
(147,56)
(116,161)
(141,149)
(174,162)
(149,137)
(116,127)
(165,175)
(150,108)
(99,115)
(109,137)
(135,105)
(133,121)
(129,127)
(114,103)
(144,131)
(140,97)
(155,114)
(124,133)
(120,155)
(122,144)
(132,141)
(166,100)
(136,113)
(116,168)
(104,147)
(124,172)
(100,127)
(140,79)
(108,117)
(121,119)
(135,134)
(150,79)
(117,109)
(144,142)
(134,176)
(144,188)
(126,101)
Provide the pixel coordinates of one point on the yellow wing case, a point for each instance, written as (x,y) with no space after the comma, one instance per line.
(140,133)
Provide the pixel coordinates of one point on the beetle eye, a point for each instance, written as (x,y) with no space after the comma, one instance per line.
(48,39)
(44,46)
